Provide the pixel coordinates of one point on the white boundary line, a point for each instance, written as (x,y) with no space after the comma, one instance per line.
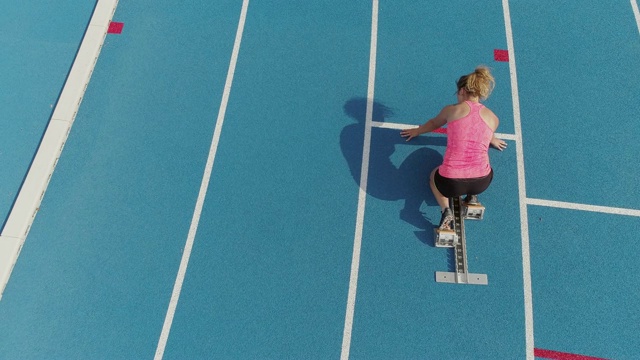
(636,13)
(362,195)
(32,191)
(397,126)
(173,303)
(584,207)
(522,196)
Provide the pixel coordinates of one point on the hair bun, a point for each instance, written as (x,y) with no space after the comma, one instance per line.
(480,82)
(483,71)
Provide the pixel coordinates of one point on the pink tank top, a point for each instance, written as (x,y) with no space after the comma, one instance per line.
(467,153)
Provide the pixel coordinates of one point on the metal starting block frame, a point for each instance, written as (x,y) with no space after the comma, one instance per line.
(455,239)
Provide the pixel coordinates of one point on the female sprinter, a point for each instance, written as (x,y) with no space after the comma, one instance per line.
(465,169)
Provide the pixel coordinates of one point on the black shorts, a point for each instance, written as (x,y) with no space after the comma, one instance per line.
(458,187)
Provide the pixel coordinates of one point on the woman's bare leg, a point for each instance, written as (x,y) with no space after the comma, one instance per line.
(441,199)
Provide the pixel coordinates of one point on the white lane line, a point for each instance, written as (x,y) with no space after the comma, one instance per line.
(393,126)
(164,336)
(522,195)
(636,12)
(362,195)
(397,126)
(506,136)
(584,207)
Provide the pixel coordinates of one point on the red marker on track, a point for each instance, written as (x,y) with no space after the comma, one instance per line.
(557,355)
(115,28)
(501,55)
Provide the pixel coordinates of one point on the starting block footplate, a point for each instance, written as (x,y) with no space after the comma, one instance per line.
(461,278)
(445,238)
(474,212)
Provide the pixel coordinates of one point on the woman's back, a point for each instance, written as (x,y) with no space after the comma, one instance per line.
(468,140)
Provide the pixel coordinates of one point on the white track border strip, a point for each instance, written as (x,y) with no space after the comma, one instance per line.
(204,185)
(397,126)
(35,184)
(584,207)
(636,13)
(362,195)
(522,195)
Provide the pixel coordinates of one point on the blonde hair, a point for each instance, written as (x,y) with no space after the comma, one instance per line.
(479,83)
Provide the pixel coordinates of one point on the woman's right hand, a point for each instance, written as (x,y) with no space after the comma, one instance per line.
(410,133)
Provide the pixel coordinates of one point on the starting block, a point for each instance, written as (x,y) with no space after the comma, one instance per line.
(455,239)
(446,238)
(473,212)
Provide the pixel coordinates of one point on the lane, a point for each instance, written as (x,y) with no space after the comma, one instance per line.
(269,271)
(576,73)
(400,310)
(106,245)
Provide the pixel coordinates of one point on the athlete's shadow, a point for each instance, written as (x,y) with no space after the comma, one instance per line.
(408,182)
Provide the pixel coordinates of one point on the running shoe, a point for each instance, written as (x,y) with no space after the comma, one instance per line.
(471,200)
(446,221)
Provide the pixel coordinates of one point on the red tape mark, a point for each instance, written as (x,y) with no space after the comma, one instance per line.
(501,55)
(440,130)
(557,355)
(115,27)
